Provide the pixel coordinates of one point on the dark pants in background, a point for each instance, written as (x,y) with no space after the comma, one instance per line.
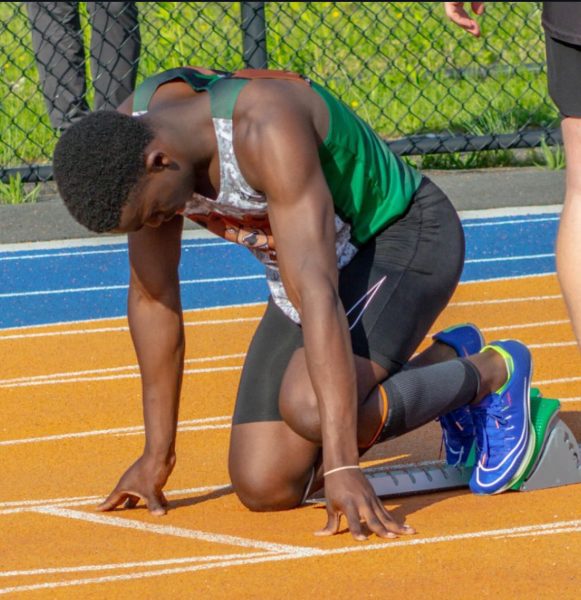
(58,43)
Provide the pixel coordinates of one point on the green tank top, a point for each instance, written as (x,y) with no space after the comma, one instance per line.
(371,187)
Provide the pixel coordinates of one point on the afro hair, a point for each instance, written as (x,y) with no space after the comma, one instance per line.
(98,163)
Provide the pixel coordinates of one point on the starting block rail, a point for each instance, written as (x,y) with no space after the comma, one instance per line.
(555,462)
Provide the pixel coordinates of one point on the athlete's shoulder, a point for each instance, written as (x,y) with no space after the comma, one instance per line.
(171,85)
(281,103)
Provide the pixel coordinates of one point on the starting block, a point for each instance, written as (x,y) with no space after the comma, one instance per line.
(556,461)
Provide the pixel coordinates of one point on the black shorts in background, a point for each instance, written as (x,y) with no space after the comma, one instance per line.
(564,75)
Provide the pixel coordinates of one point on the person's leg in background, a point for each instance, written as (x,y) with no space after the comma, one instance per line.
(58,46)
(564,78)
(115,48)
(569,238)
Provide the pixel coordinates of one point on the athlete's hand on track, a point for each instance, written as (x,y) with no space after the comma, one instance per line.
(144,480)
(349,493)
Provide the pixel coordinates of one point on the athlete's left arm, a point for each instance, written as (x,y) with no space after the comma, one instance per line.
(281,150)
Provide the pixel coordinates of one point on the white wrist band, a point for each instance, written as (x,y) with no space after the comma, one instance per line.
(340,469)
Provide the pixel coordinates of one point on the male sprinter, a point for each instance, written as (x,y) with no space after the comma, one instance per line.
(361,252)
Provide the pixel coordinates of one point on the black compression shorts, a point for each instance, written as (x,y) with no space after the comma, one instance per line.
(393,290)
(564,75)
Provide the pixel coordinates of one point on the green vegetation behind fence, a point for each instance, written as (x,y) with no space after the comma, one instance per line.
(400,65)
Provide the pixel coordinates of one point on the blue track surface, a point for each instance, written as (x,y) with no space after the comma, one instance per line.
(90,282)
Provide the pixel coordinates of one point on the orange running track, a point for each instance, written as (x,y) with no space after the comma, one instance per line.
(70,400)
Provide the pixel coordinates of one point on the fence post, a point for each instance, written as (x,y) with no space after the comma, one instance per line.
(254,35)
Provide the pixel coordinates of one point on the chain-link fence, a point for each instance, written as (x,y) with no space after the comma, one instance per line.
(423,83)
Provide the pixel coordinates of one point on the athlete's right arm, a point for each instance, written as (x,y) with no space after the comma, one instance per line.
(156,326)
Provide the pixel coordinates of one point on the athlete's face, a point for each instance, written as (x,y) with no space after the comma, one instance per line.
(163,194)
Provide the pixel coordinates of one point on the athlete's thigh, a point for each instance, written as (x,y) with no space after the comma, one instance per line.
(271,349)
(269,464)
(396,286)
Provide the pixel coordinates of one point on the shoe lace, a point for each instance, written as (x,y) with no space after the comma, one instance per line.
(459,427)
(491,422)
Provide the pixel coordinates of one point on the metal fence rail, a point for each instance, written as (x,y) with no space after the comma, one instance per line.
(424,84)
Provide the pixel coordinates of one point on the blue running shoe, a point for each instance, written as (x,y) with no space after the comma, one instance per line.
(458,431)
(505,437)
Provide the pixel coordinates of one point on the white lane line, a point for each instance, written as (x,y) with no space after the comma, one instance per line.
(14,506)
(77,376)
(549,532)
(570,399)
(530,531)
(207,424)
(171,530)
(250,304)
(223,422)
(531,324)
(551,345)
(80,244)
(185,247)
(25,505)
(187,313)
(147,574)
(229,306)
(203,427)
(96,433)
(507,300)
(64,374)
(510,211)
(104,288)
(561,380)
(526,325)
(126,328)
(22,336)
(507,258)
(203,234)
(121,328)
(105,241)
(113,377)
(107,288)
(131,565)
(510,222)
(511,278)
(63,254)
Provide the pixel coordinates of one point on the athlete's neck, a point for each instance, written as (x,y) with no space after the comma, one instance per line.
(186,127)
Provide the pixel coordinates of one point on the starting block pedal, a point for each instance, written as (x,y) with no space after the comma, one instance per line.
(556,461)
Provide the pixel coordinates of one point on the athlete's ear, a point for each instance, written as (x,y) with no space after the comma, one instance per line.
(157,160)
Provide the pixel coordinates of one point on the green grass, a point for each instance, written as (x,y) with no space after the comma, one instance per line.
(15,192)
(400,65)
(550,157)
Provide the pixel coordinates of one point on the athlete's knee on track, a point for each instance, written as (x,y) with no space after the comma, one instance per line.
(264,493)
